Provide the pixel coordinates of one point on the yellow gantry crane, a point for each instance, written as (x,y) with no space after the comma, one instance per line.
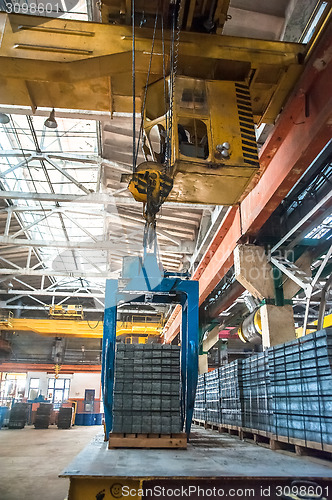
(80,328)
(200,149)
(200,94)
(70,311)
(88,66)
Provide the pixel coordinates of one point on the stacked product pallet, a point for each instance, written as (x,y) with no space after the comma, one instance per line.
(18,416)
(43,416)
(257,410)
(65,417)
(212,386)
(200,401)
(146,395)
(285,391)
(230,377)
(302,387)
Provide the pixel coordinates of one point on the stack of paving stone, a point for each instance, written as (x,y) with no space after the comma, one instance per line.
(65,417)
(231,393)
(287,390)
(18,416)
(200,400)
(43,415)
(212,385)
(257,406)
(146,395)
(301,382)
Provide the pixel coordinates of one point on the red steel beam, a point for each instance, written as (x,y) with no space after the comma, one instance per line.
(303,129)
(47,367)
(221,232)
(173,325)
(224,302)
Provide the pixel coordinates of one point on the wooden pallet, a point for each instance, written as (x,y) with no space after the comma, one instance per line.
(275,442)
(118,440)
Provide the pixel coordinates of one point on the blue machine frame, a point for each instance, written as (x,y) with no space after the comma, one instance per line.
(144,282)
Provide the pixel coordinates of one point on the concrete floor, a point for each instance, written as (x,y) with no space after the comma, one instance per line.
(31,460)
(209,454)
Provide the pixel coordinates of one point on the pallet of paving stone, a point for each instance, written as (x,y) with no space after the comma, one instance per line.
(301,388)
(275,442)
(18,416)
(120,440)
(147,389)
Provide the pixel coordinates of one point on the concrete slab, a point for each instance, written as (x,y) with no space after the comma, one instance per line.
(209,454)
(31,460)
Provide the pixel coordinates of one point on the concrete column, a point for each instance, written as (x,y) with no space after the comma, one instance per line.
(277,324)
(296,17)
(202,363)
(254,272)
(304,263)
(211,339)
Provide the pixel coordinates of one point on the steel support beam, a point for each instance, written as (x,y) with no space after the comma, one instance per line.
(184,247)
(93,198)
(24,308)
(324,202)
(84,54)
(21,271)
(302,130)
(47,293)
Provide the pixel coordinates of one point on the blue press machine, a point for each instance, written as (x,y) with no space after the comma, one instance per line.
(144,282)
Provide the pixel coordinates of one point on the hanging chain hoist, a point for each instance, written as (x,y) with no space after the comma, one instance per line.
(152,181)
(198,138)
(151,185)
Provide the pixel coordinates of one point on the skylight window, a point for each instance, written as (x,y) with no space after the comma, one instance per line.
(322,230)
(313,22)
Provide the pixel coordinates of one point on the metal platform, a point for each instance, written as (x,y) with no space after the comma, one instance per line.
(208,455)
(220,458)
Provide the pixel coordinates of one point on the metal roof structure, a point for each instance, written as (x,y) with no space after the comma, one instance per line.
(73,246)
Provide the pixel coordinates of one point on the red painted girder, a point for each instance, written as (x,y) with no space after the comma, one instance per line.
(296,139)
(47,367)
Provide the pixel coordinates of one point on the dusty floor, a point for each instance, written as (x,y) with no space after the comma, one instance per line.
(31,459)
(208,454)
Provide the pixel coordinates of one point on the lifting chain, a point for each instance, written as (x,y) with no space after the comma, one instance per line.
(154,183)
(174,61)
(159,184)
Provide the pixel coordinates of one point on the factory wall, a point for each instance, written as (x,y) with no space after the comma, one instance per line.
(79,382)
(82,381)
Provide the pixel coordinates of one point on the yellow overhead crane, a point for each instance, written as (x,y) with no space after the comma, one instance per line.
(199,145)
(327,323)
(64,63)
(69,311)
(67,321)
(213,151)
(203,113)
(80,329)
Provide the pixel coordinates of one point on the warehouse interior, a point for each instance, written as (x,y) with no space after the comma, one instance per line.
(165,246)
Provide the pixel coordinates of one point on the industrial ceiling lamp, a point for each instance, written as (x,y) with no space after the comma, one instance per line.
(51,121)
(4,119)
